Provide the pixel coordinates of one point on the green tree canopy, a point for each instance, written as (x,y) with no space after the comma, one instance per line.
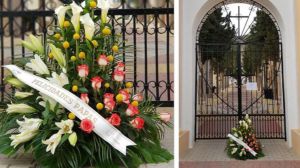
(264,46)
(215,39)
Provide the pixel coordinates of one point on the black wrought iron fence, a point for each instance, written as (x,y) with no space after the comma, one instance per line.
(237,79)
(146,25)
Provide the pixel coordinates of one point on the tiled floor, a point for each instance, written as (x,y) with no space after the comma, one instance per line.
(214,150)
(211,154)
(27,162)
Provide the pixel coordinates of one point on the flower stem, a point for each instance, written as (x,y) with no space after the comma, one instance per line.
(77,49)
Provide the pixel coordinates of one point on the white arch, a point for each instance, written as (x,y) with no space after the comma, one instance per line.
(191,15)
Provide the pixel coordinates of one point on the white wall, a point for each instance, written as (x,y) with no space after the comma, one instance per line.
(191,13)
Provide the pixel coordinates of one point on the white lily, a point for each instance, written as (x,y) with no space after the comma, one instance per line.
(89,26)
(34,44)
(21,138)
(52,142)
(22,95)
(38,65)
(61,14)
(242,153)
(247,116)
(28,129)
(60,80)
(75,19)
(65,126)
(20,108)
(104,5)
(59,57)
(247,119)
(32,124)
(233,151)
(46,98)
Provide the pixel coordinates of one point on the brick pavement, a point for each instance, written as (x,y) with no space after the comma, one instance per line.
(212,154)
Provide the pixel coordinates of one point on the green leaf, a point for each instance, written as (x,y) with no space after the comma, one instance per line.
(64,138)
(83,90)
(147,155)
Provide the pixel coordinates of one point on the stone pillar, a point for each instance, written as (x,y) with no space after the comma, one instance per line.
(297,20)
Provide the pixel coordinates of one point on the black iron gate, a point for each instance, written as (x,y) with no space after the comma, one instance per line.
(237,79)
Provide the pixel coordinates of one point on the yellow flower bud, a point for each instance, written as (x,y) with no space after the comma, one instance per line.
(66,45)
(95,43)
(57,36)
(129,84)
(99,106)
(71,116)
(93,4)
(15,82)
(119,98)
(106,85)
(66,24)
(115,48)
(135,103)
(106,31)
(74,88)
(73,58)
(50,55)
(82,55)
(110,58)
(76,36)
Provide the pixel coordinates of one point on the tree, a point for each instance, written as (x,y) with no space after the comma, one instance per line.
(218,30)
(263,54)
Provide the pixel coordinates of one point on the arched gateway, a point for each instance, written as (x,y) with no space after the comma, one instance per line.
(239,73)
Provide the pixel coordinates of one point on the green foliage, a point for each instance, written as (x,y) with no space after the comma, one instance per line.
(264,35)
(216,29)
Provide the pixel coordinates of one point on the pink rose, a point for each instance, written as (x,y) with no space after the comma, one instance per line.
(165,117)
(86,125)
(138,97)
(115,120)
(102,60)
(84,97)
(120,66)
(118,75)
(138,123)
(132,110)
(108,97)
(110,105)
(125,96)
(83,70)
(96,82)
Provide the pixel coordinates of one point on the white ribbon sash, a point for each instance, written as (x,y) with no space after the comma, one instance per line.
(243,144)
(71,102)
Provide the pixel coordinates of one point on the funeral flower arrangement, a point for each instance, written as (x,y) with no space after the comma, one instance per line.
(242,143)
(80,68)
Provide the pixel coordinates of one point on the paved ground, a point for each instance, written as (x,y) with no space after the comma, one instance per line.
(211,153)
(27,162)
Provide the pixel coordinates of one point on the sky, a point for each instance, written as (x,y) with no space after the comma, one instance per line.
(244,11)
